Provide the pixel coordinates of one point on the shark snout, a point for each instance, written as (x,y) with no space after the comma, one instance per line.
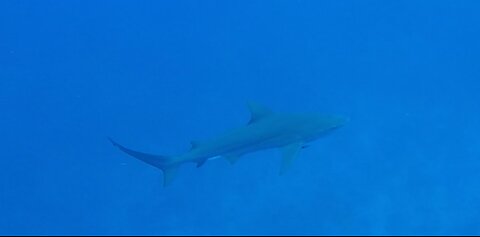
(339,121)
(342,120)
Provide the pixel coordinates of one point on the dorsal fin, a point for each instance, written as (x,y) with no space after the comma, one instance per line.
(258,112)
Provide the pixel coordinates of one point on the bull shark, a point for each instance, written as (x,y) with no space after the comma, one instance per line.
(265,130)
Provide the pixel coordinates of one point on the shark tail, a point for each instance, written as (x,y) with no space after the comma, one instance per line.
(165,163)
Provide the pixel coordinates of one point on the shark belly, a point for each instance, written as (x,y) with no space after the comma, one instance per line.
(239,147)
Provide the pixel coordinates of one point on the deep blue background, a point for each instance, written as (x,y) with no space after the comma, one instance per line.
(156,74)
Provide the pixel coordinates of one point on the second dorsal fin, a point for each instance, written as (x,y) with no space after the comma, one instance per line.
(194,144)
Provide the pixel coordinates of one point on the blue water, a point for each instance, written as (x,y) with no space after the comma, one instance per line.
(157,74)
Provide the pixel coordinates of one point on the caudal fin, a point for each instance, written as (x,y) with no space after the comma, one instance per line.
(166,164)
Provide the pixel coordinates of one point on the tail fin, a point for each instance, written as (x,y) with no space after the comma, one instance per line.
(166,164)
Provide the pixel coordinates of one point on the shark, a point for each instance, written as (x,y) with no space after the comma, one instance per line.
(266,129)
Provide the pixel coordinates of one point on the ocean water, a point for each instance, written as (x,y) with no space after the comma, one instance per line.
(155,75)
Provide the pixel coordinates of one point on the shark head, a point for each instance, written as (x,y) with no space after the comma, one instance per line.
(315,126)
(331,122)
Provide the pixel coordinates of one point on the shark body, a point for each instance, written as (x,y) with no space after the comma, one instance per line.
(265,130)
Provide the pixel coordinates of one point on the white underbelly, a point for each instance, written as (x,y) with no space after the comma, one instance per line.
(214,158)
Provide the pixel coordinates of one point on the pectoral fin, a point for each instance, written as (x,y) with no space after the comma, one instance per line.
(201,162)
(289,153)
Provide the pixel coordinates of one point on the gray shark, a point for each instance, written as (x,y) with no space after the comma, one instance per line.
(265,130)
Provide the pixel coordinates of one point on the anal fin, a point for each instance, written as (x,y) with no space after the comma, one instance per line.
(169,175)
(232,158)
